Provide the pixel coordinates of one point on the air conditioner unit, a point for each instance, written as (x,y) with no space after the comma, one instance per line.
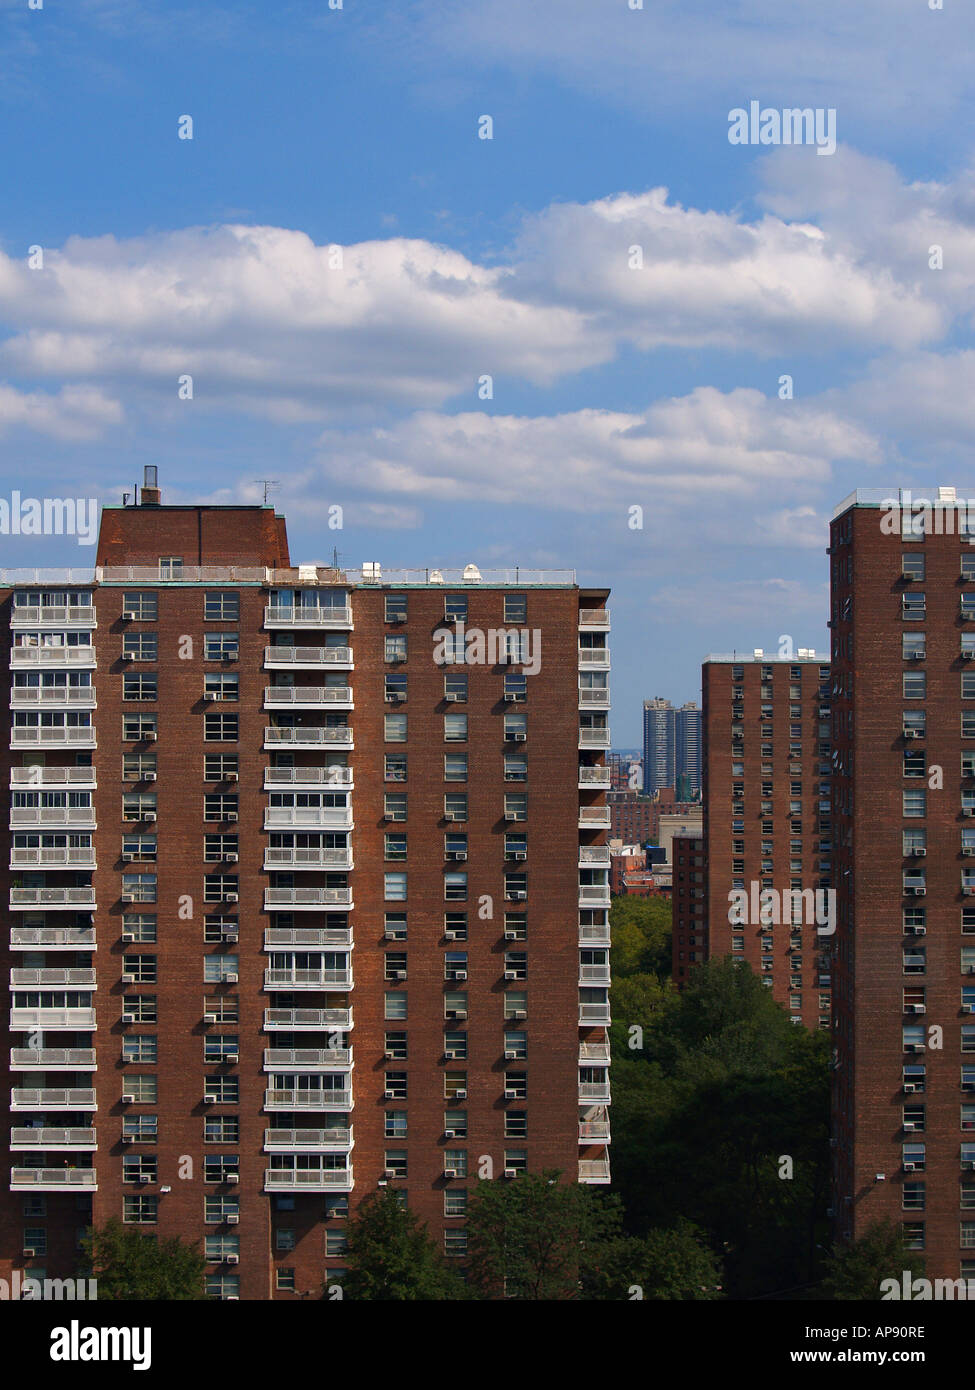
(128,1100)
(231,1259)
(130,615)
(450,1054)
(128,897)
(231,1298)
(209,1018)
(450,936)
(453,695)
(231,816)
(511,974)
(230,935)
(909,1088)
(912,733)
(511,936)
(909,1125)
(148,815)
(147,777)
(389,1056)
(149,736)
(211,695)
(129,979)
(144,1177)
(397,695)
(231,1177)
(29,1252)
(517,895)
(460,1094)
(128,1138)
(232,1218)
(457,854)
(231,858)
(232,978)
(512,815)
(450,1134)
(128,936)
(400,974)
(128,1018)
(231,897)
(917,853)
(389,1095)
(511,1172)
(126,656)
(911,1167)
(453,815)
(209,1100)
(128,855)
(520,854)
(230,777)
(460,974)
(914,1047)
(520,1013)
(450,1172)
(229,655)
(510,1056)
(510,1095)
(232,1057)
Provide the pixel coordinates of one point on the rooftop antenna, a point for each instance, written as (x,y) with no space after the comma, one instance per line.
(268,484)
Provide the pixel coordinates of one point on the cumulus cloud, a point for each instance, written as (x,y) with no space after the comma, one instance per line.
(75,413)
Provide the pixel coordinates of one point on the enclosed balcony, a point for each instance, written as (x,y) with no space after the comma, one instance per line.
(594,1170)
(52,736)
(594,975)
(593,1092)
(53,1139)
(594,895)
(594,778)
(298,778)
(72,1099)
(308,818)
(306,899)
(52,697)
(66,857)
(592,698)
(298,1141)
(594,619)
(51,1020)
(53,615)
(52,979)
(593,738)
(53,899)
(308,658)
(310,736)
(308,979)
(303,858)
(52,1059)
(308,1180)
(594,1132)
(278,1059)
(308,1020)
(40,778)
(307,938)
(594,934)
(281,616)
(53,1180)
(52,938)
(50,817)
(302,1099)
(52,658)
(594,1054)
(593,856)
(595,817)
(594,1015)
(593,658)
(308,697)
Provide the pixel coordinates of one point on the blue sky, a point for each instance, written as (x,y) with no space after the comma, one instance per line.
(613,387)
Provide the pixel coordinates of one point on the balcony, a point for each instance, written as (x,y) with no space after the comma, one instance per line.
(593,854)
(52,1059)
(307,1100)
(52,736)
(49,1020)
(51,615)
(296,777)
(52,817)
(594,1132)
(307,1180)
(297,1141)
(46,658)
(594,619)
(594,1054)
(308,938)
(306,899)
(72,1139)
(308,1020)
(72,1099)
(53,1179)
(52,697)
(594,1016)
(308,1059)
(52,979)
(66,858)
(308,736)
(52,938)
(593,699)
(308,697)
(593,658)
(593,1170)
(595,778)
(594,1092)
(594,934)
(308,658)
(276,615)
(39,778)
(594,975)
(594,895)
(594,817)
(308,979)
(52,899)
(593,738)
(308,858)
(308,818)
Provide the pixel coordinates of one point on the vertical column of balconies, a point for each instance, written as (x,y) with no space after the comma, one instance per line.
(594,896)
(52,900)
(308,819)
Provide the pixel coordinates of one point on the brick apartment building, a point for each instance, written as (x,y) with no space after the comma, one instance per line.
(903,635)
(297,910)
(688,905)
(767,821)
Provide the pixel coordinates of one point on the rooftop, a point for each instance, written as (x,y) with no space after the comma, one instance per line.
(899,496)
(301,576)
(742,658)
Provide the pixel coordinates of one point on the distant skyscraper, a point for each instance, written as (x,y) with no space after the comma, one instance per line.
(659,764)
(687,740)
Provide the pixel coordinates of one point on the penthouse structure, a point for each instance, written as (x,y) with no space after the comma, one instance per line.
(309,893)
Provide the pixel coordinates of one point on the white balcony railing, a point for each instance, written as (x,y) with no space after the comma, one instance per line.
(307,1100)
(287,658)
(275,777)
(594,854)
(593,658)
(593,1092)
(308,1140)
(52,898)
(593,699)
(74,1098)
(308,898)
(302,858)
(277,615)
(52,979)
(594,1132)
(590,975)
(308,696)
(53,1179)
(66,858)
(52,696)
(52,938)
(594,895)
(53,615)
(77,658)
(594,1170)
(308,736)
(308,938)
(52,1059)
(52,1139)
(62,1020)
(595,777)
(594,1015)
(308,1180)
(77,817)
(594,1053)
(307,1058)
(594,817)
(308,1020)
(42,778)
(594,738)
(52,736)
(594,618)
(594,934)
(308,818)
(308,979)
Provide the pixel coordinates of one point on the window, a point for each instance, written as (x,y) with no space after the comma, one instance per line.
(455,887)
(516,608)
(140,1209)
(455,926)
(395,1045)
(455,806)
(395,887)
(170,566)
(395,1085)
(455,687)
(221,1129)
(284,1238)
(140,685)
(455,1161)
(394,1124)
(515,806)
(912,605)
(516,687)
(912,646)
(336,1243)
(142,970)
(139,888)
(221,728)
(455,1201)
(515,728)
(394,1004)
(915,685)
(143,1129)
(395,608)
(35,1240)
(225,1089)
(394,806)
(395,847)
(395,767)
(515,767)
(221,606)
(221,646)
(220,686)
(968,685)
(394,688)
(142,604)
(455,608)
(455,767)
(395,925)
(912,565)
(455,728)
(218,968)
(395,1162)
(140,646)
(143,1088)
(914,804)
(394,728)
(142,1047)
(394,965)
(217,1208)
(395,647)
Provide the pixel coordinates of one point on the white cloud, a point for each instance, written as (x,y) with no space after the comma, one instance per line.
(75,413)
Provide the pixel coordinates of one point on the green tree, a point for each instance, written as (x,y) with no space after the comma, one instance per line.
(133,1267)
(531,1238)
(854,1271)
(666,1264)
(640,930)
(392,1258)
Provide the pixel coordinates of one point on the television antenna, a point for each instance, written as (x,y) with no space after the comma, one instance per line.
(267,484)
